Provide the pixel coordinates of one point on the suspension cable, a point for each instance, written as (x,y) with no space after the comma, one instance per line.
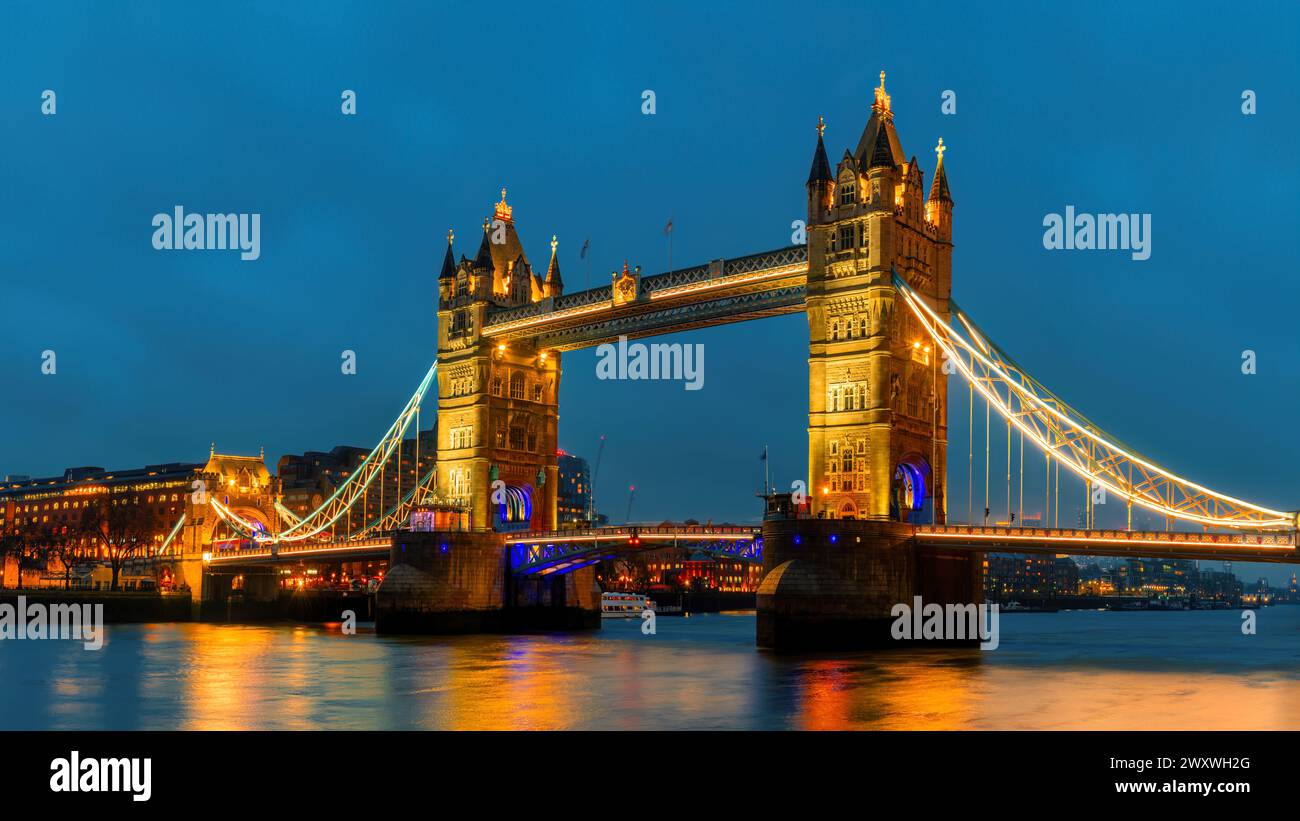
(1074,439)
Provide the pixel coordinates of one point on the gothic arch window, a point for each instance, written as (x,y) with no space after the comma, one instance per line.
(848,189)
(516,385)
(846,237)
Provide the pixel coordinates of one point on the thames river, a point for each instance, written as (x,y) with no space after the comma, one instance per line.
(1069,670)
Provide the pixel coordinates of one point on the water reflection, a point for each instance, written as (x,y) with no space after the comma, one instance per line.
(1053,671)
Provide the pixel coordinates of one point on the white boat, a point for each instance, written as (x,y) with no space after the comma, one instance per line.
(624,605)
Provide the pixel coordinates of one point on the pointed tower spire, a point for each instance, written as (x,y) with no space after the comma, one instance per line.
(881,120)
(882,155)
(821,182)
(554,284)
(821,167)
(483,259)
(939,187)
(449,259)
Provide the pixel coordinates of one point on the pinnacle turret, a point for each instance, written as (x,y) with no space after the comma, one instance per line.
(449,260)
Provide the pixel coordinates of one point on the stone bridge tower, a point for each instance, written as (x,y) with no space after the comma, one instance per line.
(498,404)
(877,428)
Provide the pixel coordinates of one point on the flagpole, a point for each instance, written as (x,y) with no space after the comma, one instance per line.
(670,243)
(767,473)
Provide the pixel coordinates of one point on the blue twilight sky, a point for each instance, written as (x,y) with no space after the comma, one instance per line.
(232,107)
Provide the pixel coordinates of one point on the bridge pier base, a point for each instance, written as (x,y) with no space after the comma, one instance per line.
(831,584)
(458,582)
(257,598)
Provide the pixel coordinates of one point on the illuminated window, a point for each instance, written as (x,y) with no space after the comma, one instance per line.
(846,239)
(848,189)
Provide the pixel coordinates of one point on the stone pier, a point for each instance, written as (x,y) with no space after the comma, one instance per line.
(830,584)
(459,582)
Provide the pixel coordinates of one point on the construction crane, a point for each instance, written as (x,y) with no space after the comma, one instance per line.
(591,497)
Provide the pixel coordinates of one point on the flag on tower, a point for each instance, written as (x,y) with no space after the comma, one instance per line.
(668,229)
(585,245)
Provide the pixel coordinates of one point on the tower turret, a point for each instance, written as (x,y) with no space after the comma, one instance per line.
(447,277)
(938,212)
(821,184)
(483,259)
(938,208)
(554,284)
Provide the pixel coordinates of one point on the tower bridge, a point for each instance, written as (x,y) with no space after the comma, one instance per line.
(885,340)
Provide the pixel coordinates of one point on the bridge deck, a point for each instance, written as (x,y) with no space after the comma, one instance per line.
(552,551)
(1255,547)
(312,551)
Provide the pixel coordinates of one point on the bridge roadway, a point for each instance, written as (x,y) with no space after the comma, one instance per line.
(292,553)
(546,552)
(1269,546)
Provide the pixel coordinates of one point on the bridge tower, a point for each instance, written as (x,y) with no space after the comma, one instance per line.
(877,420)
(498,404)
(877,427)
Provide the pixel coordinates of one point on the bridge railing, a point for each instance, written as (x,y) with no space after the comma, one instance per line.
(1266,539)
(650,284)
(702,531)
(300,549)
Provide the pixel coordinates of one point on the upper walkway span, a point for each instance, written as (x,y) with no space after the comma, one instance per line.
(722,291)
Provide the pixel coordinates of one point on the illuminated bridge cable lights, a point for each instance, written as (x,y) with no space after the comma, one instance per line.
(286,514)
(350,492)
(176,528)
(1069,438)
(398,514)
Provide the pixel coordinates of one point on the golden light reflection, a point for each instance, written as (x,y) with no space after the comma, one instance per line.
(701,672)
